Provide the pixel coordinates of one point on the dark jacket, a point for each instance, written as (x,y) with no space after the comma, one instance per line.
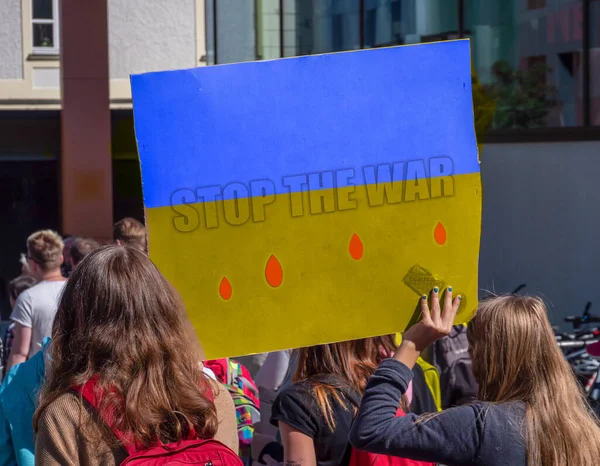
(476,434)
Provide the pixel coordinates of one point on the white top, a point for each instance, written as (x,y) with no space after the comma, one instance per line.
(35,308)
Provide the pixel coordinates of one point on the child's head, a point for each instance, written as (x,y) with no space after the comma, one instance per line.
(512,345)
(120,320)
(17,286)
(44,253)
(349,364)
(516,358)
(353,361)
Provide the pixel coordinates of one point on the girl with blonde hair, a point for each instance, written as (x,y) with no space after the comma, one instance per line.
(530,409)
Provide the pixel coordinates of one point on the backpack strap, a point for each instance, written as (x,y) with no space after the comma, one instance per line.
(92,397)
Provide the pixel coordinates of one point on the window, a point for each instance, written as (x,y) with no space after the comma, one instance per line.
(324,26)
(529,63)
(393,22)
(44,25)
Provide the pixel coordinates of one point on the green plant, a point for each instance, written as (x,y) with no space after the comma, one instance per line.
(523,97)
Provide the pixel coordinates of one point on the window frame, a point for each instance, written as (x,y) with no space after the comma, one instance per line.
(55,49)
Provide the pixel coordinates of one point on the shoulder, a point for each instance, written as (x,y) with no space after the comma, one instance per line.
(298,393)
(497,417)
(66,410)
(223,399)
(304,387)
(295,396)
(25,297)
(514,410)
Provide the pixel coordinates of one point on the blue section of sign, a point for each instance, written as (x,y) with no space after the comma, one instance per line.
(271,120)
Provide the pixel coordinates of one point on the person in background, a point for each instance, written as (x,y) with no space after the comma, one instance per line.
(80,248)
(130,232)
(34,310)
(66,266)
(315,413)
(18,397)
(118,310)
(25,271)
(15,288)
(531,410)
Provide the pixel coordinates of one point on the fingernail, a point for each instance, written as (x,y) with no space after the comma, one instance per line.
(424,296)
(459,297)
(435,289)
(450,289)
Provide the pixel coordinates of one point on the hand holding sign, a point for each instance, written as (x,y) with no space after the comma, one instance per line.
(436,322)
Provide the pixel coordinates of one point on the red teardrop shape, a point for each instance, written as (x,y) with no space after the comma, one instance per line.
(440,234)
(273,272)
(356,247)
(225,289)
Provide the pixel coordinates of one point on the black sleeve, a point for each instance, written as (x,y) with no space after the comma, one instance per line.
(296,407)
(450,437)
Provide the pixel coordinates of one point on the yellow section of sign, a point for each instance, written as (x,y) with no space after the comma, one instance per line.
(317,267)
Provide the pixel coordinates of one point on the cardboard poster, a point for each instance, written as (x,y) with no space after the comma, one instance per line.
(310,200)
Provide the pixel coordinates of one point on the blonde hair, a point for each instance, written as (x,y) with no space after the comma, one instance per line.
(516,358)
(45,247)
(131,232)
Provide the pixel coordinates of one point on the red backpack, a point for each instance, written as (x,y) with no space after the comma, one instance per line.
(193,450)
(363,458)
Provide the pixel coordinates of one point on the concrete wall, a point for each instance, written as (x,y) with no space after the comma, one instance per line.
(151,35)
(541,222)
(11,43)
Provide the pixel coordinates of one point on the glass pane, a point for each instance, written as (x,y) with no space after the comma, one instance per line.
(42,9)
(392,22)
(209,19)
(595,63)
(320,26)
(268,27)
(43,35)
(527,56)
(236,34)
(290,31)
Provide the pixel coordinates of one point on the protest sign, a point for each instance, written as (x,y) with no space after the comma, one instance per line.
(309,200)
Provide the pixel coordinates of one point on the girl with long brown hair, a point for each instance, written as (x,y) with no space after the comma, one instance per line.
(121,325)
(530,409)
(315,413)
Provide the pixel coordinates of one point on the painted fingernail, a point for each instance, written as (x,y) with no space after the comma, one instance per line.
(435,289)
(459,297)
(424,297)
(450,289)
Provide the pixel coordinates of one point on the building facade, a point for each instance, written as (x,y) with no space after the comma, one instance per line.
(143,35)
(538,63)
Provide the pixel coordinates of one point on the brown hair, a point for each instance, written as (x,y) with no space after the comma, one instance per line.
(20,284)
(350,363)
(130,232)
(45,247)
(516,358)
(81,247)
(119,320)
